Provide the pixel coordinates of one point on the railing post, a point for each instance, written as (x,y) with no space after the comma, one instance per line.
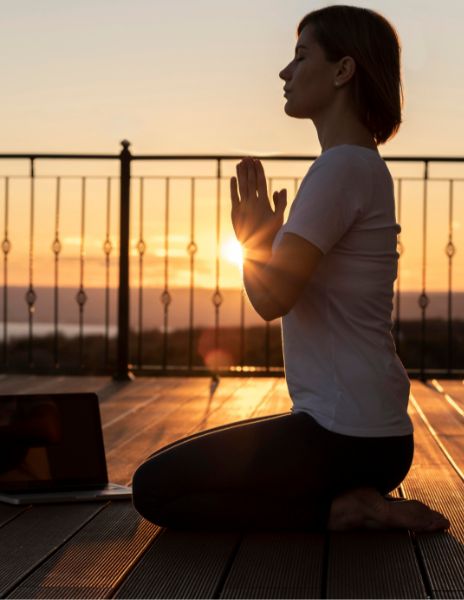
(122,360)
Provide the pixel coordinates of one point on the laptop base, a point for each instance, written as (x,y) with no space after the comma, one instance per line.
(111,491)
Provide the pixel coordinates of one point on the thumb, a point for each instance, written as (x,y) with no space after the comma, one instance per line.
(280,201)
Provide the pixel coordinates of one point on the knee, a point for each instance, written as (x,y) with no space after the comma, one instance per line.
(146,497)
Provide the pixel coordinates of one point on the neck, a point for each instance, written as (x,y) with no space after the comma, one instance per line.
(339,125)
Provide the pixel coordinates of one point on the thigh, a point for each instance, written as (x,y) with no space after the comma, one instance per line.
(188,438)
(284,454)
(380,462)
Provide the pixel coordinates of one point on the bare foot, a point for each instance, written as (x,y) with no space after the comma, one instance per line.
(367,508)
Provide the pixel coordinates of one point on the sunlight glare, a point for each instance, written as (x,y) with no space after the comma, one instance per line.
(232,251)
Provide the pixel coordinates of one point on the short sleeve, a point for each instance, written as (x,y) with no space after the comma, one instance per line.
(330,199)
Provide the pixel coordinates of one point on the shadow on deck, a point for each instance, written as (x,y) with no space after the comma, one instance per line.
(100,550)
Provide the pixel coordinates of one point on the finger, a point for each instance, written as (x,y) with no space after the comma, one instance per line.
(280,201)
(251,170)
(242,181)
(261,183)
(234,193)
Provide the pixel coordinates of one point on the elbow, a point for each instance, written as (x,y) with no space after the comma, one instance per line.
(273,311)
(268,307)
(269,318)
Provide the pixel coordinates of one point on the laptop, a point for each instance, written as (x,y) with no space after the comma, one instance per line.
(51,450)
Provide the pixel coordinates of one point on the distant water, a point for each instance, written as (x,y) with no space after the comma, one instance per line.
(179,310)
(21,330)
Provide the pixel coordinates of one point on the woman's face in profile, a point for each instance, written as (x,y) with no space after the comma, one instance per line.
(309,78)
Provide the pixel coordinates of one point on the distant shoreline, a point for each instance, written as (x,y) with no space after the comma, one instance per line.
(179,314)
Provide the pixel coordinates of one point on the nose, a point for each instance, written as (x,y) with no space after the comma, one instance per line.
(284,73)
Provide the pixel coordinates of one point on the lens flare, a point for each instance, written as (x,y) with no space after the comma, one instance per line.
(231,250)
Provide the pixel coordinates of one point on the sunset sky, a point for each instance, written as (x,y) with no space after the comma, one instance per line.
(199,77)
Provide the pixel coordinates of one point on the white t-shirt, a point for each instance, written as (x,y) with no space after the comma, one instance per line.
(340,358)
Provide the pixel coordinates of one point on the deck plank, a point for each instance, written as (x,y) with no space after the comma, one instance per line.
(9,512)
(182,565)
(35,534)
(28,384)
(277,565)
(95,559)
(116,403)
(373,564)
(446,421)
(438,485)
(276,401)
(454,387)
(238,406)
(43,384)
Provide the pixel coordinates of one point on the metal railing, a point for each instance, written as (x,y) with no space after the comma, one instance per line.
(124,361)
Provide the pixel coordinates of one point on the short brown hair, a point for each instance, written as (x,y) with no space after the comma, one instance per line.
(374,45)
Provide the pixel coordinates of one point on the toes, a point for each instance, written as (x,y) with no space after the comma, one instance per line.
(438,523)
(435,527)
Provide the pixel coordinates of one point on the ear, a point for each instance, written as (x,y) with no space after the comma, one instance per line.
(346,69)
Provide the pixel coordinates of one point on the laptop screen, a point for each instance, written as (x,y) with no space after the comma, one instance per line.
(51,442)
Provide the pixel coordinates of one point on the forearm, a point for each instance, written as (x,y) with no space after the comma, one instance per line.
(260,282)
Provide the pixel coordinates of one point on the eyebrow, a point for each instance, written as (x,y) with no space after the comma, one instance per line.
(300,46)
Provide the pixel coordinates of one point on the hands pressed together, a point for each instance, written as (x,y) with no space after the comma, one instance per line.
(255,222)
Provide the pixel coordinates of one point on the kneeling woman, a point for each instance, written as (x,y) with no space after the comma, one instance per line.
(329,273)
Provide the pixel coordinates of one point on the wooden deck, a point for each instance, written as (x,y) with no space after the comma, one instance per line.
(99,550)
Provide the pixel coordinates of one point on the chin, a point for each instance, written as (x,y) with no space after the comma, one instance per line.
(291,112)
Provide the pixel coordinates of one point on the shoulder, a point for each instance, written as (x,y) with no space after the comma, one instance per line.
(345,166)
(348,157)
(337,167)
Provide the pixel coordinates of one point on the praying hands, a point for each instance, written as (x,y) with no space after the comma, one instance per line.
(255,223)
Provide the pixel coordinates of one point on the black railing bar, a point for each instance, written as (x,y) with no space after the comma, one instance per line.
(6,246)
(107,247)
(213,177)
(448,179)
(56,248)
(222,157)
(210,177)
(267,326)
(165,296)
(191,249)
(81,296)
(259,371)
(30,294)
(217,293)
(215,157)
(116,177)
(204,177)
(80,177)
(450,275)
(242,327)
(399,248)
(423,298)
(44,155)
(141,251)
(122,347)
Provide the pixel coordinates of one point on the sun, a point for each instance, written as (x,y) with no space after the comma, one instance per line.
(231,250)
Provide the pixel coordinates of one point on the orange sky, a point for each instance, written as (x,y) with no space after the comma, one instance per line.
(172,78)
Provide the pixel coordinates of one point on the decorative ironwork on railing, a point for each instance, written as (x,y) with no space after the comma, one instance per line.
(425,348)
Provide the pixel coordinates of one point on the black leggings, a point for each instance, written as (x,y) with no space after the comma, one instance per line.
(279,472)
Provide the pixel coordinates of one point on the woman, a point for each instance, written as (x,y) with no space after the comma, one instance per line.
(329,273)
